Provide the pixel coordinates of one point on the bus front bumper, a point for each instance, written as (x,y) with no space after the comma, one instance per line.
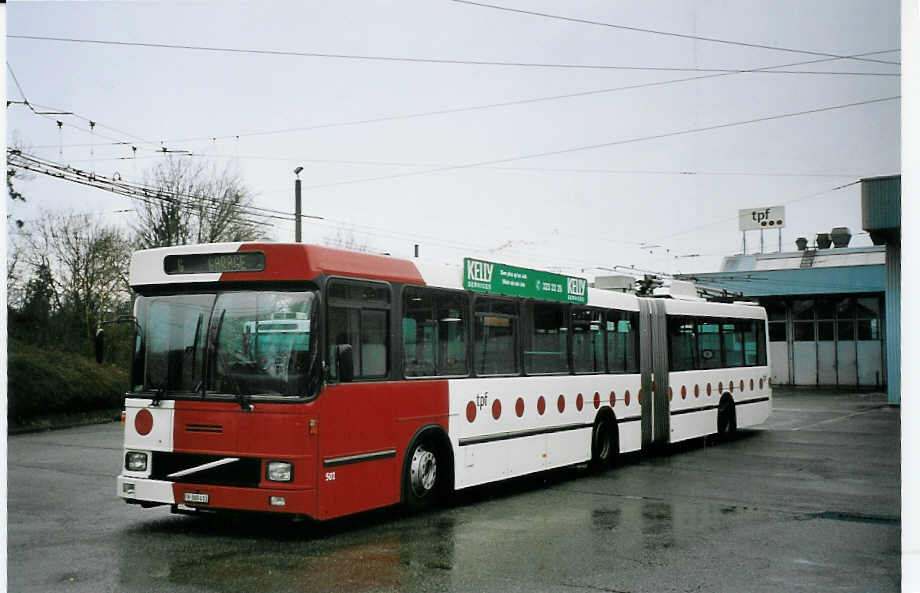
(147,492)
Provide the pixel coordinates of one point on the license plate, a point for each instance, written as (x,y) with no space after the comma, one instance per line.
(195,498)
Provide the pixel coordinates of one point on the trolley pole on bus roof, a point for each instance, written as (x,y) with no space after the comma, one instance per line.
(297,236)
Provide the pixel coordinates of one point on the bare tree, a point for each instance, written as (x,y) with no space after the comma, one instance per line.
(85,261)
(195,203)
(345,238)
(14,281)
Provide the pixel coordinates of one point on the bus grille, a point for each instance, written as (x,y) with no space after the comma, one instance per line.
(245,473)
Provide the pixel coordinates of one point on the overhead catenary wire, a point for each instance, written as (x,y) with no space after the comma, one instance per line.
(663,33)
(299,159)
(608,144)
(16,80)
(470,108)
(143,193)
(497,161)
(786,203)
(409,59)
(153,196)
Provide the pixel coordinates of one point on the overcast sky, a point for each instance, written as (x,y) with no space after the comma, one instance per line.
(408,180)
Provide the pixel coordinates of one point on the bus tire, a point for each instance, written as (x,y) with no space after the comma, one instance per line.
(426,473)
(726,423)
(605,442)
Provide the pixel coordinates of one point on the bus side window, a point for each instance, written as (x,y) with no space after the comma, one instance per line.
(733,341)
(682,342)
(710,343)
(495,327)
(761,342)
(358,314)
(546,342)
(587,341)
(622,341)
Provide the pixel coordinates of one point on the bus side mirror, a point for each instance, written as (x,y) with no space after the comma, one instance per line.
(344,362)
(99,343)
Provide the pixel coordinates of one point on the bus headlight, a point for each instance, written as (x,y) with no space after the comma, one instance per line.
(279,471)
(136,461)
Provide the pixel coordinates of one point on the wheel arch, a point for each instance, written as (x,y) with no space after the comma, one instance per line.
(727,407)
(438,436)
(607,413)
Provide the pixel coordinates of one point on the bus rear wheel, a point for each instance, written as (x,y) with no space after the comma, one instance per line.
(422,480)
(604,443)
(726,423)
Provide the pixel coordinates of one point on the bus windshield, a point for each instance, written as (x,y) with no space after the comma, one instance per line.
(237,343)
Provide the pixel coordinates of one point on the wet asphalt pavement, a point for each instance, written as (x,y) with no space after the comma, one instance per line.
(807,502)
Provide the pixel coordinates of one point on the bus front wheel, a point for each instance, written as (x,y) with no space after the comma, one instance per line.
(423,475)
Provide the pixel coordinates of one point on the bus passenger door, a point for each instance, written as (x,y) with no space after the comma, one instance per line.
(653,366)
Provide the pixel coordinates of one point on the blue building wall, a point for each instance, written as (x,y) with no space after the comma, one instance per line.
(893,321)
(808,281)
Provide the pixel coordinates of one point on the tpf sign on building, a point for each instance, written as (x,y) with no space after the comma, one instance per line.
(753,219)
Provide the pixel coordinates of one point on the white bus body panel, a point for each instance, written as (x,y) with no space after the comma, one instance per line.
(147,266)
(687,424)
(147,490)
(489,449)
(160,437)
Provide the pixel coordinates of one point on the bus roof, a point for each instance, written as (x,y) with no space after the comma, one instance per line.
(226,262)
(221,262)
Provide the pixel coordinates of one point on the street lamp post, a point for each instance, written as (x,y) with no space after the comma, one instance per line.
(297,235)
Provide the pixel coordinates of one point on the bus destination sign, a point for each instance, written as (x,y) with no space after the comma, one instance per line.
(483,276)
(214,263)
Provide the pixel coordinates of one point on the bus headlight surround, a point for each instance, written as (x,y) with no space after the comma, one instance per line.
(279,471)
(136,461)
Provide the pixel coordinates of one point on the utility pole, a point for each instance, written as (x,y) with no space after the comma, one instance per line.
(297,206)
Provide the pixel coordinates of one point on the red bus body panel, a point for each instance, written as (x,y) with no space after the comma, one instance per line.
(350,419)
(362,418)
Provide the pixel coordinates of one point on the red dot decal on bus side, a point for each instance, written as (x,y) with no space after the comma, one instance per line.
(560,403)
(471,411)
(639,397)
(696,391)
(752,384)
(708,388)
(670,394)
(496,408)
(541,405)
(597,400)
(143,422)
(720,387)
(519,407)
(760,383)
(579,402)
(626,397)
(731,385)
(683,392)
(741,384)
(613,398)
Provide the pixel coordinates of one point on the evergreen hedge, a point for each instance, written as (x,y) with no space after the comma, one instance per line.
(43,381)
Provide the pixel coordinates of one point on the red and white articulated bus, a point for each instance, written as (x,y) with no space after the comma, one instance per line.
(317,382)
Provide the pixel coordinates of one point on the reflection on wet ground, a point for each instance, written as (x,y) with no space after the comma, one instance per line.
(768,510)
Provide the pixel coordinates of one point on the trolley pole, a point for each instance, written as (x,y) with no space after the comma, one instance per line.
(297,205)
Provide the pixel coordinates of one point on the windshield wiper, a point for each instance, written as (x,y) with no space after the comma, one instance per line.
(241,399)
(159,393)
(201,384)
